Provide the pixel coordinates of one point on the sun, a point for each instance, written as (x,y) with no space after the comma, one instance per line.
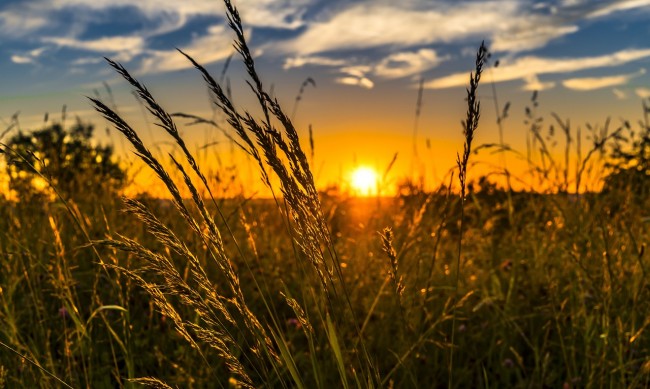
(364,181)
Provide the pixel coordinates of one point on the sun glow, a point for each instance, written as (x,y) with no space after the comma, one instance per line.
(364,181)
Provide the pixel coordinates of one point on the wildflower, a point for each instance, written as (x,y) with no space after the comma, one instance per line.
(508,363)
(63,313)
(293,322)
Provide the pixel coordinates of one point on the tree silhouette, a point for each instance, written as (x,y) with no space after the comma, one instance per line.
(67,159)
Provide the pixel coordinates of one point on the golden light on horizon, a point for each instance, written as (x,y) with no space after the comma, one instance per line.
(363,181)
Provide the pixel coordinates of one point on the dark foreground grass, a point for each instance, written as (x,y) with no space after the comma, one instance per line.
(493,288)
(560,296)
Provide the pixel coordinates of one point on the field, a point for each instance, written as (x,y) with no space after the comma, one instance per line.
(473,284)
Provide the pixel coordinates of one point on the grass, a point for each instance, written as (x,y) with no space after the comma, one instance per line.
(487,288)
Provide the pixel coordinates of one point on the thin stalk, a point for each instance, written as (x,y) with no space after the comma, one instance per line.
(36,364)
(470,126)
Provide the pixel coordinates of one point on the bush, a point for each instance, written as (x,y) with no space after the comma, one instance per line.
(630,159)
(66,159)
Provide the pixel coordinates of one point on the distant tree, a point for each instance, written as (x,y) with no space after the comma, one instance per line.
(67,158)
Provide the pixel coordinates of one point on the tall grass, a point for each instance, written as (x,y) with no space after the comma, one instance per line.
(470,126)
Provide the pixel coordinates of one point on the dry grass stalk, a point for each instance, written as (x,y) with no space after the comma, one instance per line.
(151,382)
(470,124)
(389,250)
(296,180)
(299,192)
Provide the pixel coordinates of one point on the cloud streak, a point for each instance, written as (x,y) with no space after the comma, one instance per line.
(529,66)
(107,44)
(159,61)
(617,6)
(404,64)
(372,24)
(592,83)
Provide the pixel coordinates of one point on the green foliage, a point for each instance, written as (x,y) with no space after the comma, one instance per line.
(65,158)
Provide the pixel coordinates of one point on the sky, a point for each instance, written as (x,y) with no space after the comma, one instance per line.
(587,58)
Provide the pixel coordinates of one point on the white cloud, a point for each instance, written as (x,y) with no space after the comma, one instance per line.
(365,26)
(259,13)
(286,14)
(618,6)
(396,65)
(356,75)
(402,27)
(37,52)
(28,56)
(363,82)
(357,70)
(15,23)
(512,26)
(40,20)
(534,84)
(642,92)
(217,40)
(20,59)
(115,44)
(407,63)
(620,95)
(526,37)
(528,66)
(297,62)
(591,83)
(86,61)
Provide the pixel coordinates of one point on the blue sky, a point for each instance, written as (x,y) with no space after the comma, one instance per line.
(543,44)
(586,57)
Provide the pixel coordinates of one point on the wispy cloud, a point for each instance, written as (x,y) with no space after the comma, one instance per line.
(41,22)
(86,61)
(525,67)
(297,62)
(363,82)
(534,84)
(620,95)
(523,37)
(592,83)
(15,23)
(643,93)
(107,44)
(170,60)
(27,57)
(21,59)
(365,26)
(396,65)
(258,13)
(511,26)
(617,6)
(408,63)
(356,75)
(398,39)
(121,48)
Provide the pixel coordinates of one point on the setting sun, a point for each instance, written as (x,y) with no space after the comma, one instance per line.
(364,181)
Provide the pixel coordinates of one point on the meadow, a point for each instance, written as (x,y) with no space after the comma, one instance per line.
(473,284)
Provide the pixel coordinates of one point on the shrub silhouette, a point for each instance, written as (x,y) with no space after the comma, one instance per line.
(67,159)
(630,160)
